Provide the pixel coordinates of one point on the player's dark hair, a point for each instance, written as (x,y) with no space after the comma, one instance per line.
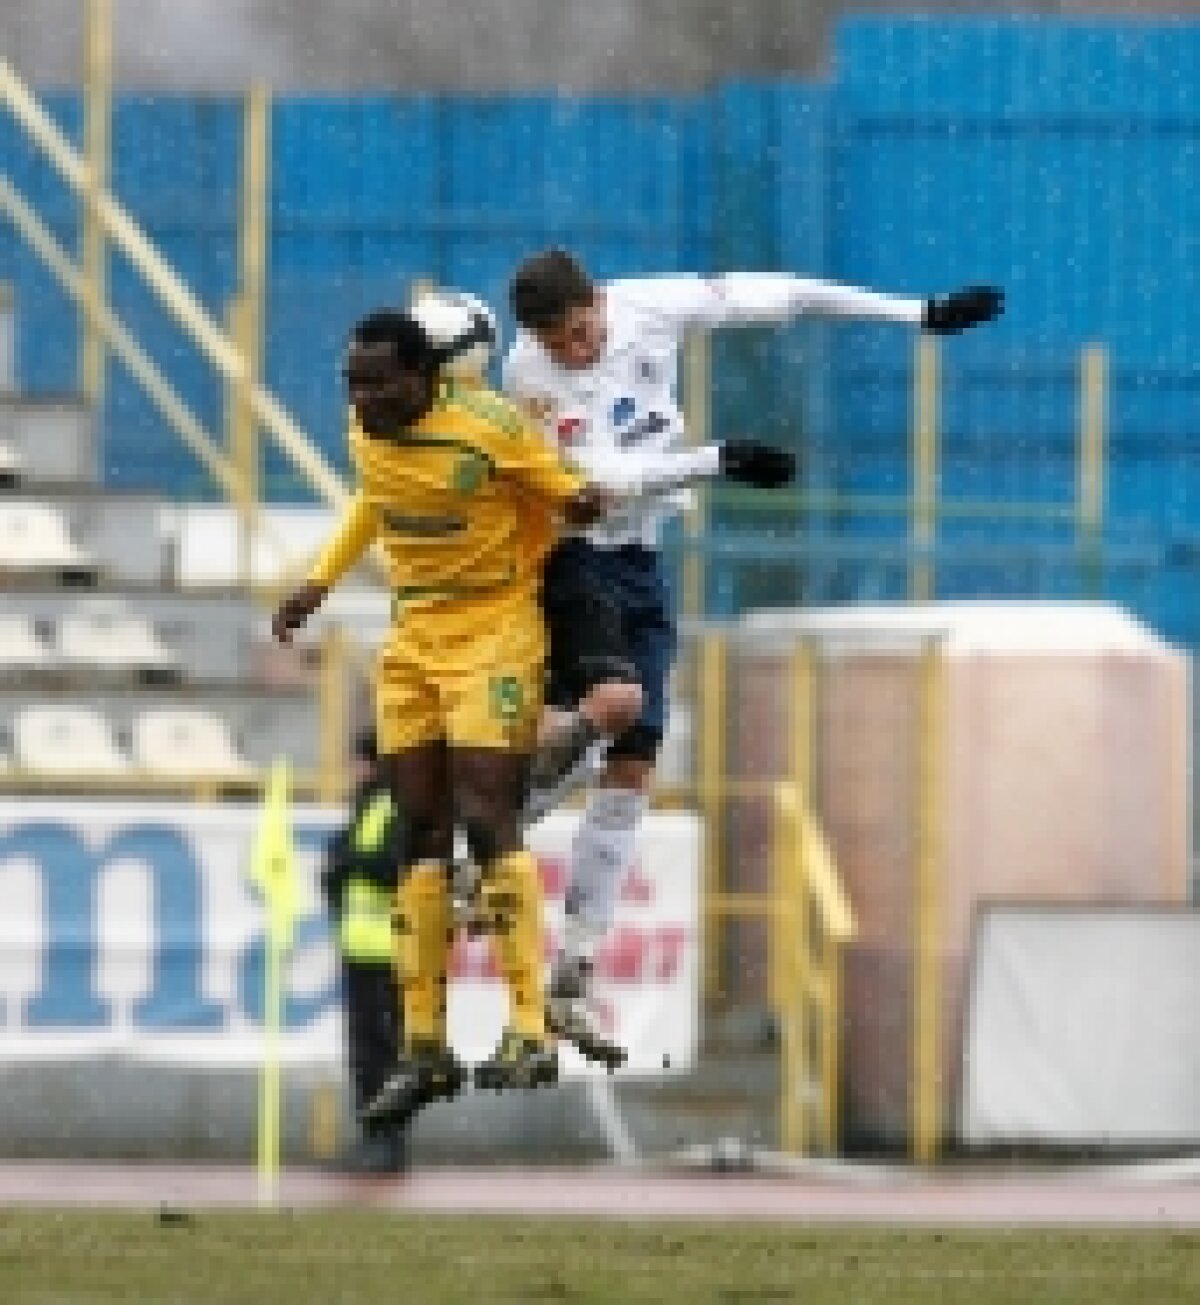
(414,353)
(546,287)
(411,347)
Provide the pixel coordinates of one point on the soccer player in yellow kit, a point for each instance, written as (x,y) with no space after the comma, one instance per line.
(462,494)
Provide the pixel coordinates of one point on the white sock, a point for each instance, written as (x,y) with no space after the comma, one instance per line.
(601,855)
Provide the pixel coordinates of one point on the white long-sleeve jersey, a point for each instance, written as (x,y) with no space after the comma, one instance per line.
(620,419)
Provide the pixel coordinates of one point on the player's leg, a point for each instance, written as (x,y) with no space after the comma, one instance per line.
(592,683)
(491,716)
(427,1070)
(605,842)
(489,784)
(415,762)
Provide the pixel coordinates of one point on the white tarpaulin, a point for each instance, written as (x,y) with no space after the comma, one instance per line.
(132,929)
(1083,1027)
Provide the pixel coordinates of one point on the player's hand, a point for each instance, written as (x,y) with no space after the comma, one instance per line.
(296,609)
(589,505)
(962,309)
(760,465)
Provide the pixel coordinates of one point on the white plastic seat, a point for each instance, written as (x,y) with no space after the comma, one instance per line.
(110,635)
(10,464)
(67,738)
(186,741)
(34,535)
(20,647)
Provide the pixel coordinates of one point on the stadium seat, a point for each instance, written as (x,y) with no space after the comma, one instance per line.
(67,738)
(10,466)
(187,741)
(34,536)
(108,635)
(20,647)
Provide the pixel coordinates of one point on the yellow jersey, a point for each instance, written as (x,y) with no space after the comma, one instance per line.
(465,501)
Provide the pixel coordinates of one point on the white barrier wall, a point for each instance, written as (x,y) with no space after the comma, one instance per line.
(131,930)
(1083,1027)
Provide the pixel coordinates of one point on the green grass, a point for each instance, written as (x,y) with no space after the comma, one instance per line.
(370,1256)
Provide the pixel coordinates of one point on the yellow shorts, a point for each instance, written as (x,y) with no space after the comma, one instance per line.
(470,672)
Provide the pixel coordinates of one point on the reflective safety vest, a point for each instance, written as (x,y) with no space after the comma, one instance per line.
(365,933)
(366,919)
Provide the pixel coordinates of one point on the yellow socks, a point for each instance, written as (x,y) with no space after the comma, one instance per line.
(512,899)
(424,937)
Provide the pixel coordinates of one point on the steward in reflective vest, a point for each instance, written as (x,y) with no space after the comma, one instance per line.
(359,883)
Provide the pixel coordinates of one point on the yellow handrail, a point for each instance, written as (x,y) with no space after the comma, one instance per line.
(174,294)
(122,343)
(117,336)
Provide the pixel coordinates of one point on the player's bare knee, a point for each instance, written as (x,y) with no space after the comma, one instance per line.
(613,706)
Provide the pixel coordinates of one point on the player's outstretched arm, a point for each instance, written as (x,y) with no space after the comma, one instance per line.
(345,546)
(758,298)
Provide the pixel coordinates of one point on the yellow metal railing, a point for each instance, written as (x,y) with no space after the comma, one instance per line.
(123,232)
(235,353)
(926,368)
(806,910)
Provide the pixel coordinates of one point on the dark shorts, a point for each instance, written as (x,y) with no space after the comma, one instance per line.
(611,604)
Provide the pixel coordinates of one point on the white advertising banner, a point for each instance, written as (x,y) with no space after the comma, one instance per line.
(1083,1027)
(132,929)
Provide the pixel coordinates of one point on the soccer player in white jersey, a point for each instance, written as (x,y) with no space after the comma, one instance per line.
(598,365)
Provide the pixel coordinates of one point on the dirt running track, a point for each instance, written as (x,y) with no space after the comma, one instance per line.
(1165,1194)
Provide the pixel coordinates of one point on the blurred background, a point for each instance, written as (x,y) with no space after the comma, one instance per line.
(932,726)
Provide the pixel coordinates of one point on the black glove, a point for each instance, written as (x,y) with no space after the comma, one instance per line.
(295,610)
(760,465)
(962,309)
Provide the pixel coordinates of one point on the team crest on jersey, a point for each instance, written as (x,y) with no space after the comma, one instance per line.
(623,410)
(507,697)
(469,473)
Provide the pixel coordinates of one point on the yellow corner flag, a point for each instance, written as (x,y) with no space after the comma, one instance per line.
(273,869)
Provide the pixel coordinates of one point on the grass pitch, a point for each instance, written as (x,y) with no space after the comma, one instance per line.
(373,1256)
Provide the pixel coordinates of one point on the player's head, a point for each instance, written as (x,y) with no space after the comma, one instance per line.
(391,372)
(462,327)
(555,299)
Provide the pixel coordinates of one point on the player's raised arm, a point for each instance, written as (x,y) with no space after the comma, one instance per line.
(357,528)
(748,298)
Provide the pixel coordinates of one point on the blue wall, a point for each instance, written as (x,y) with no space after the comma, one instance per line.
(1058,159)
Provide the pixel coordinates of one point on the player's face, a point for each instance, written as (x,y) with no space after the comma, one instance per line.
(578,340)
(380,392)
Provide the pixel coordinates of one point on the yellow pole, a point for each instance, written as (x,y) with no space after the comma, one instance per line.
(97,123)
(926,1096)
(921,582)
(712,774)
(1093,421)
(333,716)
(790,972)
(248,333)
(269,1111)
(808,967)
(697,404)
